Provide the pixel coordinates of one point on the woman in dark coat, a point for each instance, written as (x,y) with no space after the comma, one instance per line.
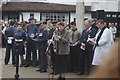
(61,48)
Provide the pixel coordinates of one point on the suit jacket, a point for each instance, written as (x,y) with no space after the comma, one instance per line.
(85,34)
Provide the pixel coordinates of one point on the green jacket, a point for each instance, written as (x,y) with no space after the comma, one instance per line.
(63,44)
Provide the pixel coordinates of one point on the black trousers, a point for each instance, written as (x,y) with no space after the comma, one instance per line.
(3,41)
(42,60)
(74,58)
(7,56)
(53,56)
(86,60)
(31,49)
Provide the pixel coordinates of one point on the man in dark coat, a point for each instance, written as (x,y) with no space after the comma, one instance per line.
(86,55)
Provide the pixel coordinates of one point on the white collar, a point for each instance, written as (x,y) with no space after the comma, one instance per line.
(11,26)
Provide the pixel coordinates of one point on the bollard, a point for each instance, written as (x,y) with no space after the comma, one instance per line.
(17,68)
(17,60)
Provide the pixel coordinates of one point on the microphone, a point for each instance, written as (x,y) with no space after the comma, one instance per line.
(56,33)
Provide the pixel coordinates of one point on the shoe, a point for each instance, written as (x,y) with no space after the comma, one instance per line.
(14,65)
(63,79)
(59,78)
(21,65)
(75,71)
(42,71)
(80,73)
(34,65)
(53,73)
(38,70)
(6,63)
(26,65)
(87,73)
(38,66)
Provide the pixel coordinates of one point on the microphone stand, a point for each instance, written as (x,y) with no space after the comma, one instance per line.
(47,50)
(50,41)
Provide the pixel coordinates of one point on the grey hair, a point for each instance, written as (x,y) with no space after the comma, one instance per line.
(89,22)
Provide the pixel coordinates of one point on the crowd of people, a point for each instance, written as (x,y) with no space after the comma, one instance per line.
(59,45)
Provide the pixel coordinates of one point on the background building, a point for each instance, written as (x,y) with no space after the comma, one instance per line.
(41,11)
(60,10)
(107,10)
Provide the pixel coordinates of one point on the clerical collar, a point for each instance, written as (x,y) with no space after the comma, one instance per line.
(74,29)
(11,26)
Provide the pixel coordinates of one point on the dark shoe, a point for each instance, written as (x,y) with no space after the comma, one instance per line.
(34,65)
(87,74)
(38,70)
(53,73)
(21,65)
(79,73)
(38,66)
(63,79)
(42,71)
(14,65)
(59,78)
(26,65)
(6,63)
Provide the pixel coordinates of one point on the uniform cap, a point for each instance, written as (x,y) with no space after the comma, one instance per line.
(31,18)
(39,23)
(54,21)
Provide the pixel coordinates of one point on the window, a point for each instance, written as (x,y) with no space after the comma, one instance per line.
(32,15)
(113,15)
(119,16)
(108,15)
(55,16)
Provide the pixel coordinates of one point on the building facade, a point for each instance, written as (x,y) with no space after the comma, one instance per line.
(22,11)
(107,10)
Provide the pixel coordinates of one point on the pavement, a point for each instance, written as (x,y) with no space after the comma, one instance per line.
(8,71)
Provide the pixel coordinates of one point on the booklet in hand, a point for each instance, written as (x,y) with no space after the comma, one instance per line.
(90,40)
